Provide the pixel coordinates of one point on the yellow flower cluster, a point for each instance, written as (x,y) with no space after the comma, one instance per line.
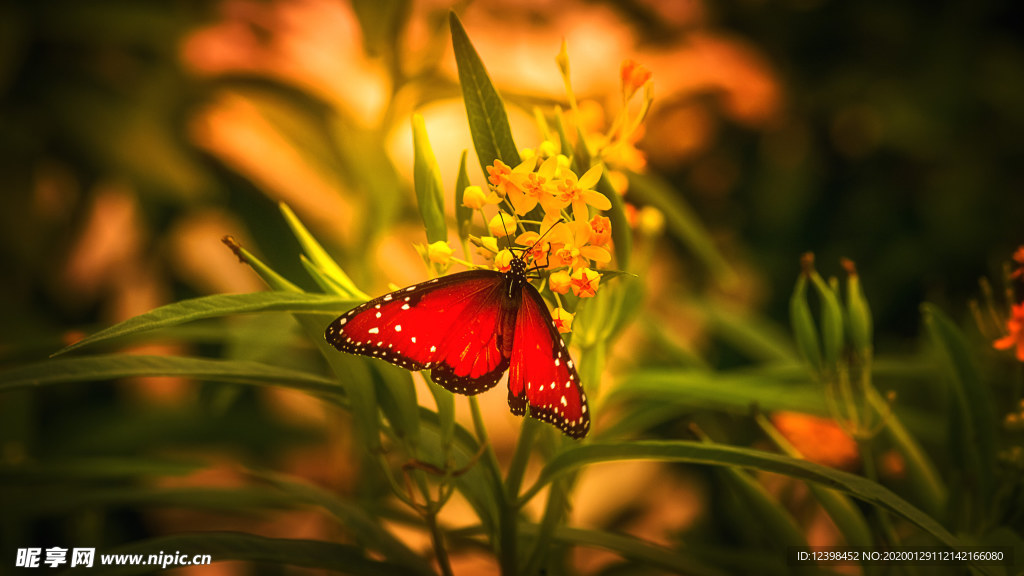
(568,242)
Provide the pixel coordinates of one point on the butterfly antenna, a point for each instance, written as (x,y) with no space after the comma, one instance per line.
(537,266)
(550,228)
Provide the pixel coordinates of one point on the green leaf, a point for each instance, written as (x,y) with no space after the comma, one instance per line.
(445,402)
(732,456)
(381,25)
(106,469)
(427,180)
(45,499)
(832,330)
(630,548)
(397,396)
(326,283)
(682,223)
(363,526)
(355,377)
(463,214)
(972,435)
(622,233)
(488,121)
(770,515)
(780,387)
(805,331)
(112,366)
(215,306)
(266,273)
(754,335)
(224,546)
(319,257)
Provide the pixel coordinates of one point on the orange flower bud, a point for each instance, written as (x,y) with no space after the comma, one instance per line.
(634,76)
(601,230)
(559,282)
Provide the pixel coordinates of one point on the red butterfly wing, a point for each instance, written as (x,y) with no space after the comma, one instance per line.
(455,325)
(542,374)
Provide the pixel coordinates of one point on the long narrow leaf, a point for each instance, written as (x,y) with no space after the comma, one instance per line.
(781,387)
(318,256)
(364,527)
(488,121)
(112,366)
(972,435)
(213,307)
(718,455)
(427,181)
(463,214)
(106,469)
(224,546)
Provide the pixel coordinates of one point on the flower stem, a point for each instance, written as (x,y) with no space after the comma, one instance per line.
(439,548)
(506,536)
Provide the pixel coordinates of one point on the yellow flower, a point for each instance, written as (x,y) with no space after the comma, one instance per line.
(505,180)
(585,282)
(536,251)
(533,187)
(559,282)
(563,320)
(579,193)
(439,252)
(502,225)
(503,260)
(547,149)
(570,246)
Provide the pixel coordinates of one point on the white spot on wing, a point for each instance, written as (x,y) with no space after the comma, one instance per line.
(398,327)
(373,330)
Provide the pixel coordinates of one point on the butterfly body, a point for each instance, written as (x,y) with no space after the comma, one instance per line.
(468,329)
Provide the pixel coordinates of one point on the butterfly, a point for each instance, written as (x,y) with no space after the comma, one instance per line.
(468,328)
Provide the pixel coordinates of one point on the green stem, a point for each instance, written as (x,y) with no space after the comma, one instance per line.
(439,548)
(888,532)
(506,513)
(929,488)
(516,470)
(554,513)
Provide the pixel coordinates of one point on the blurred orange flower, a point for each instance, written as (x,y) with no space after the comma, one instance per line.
(1015,331)
(1018,257)
(820,440)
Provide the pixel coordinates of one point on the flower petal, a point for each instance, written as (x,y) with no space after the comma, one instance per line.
(596,253)
(597,200)
(591,177)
